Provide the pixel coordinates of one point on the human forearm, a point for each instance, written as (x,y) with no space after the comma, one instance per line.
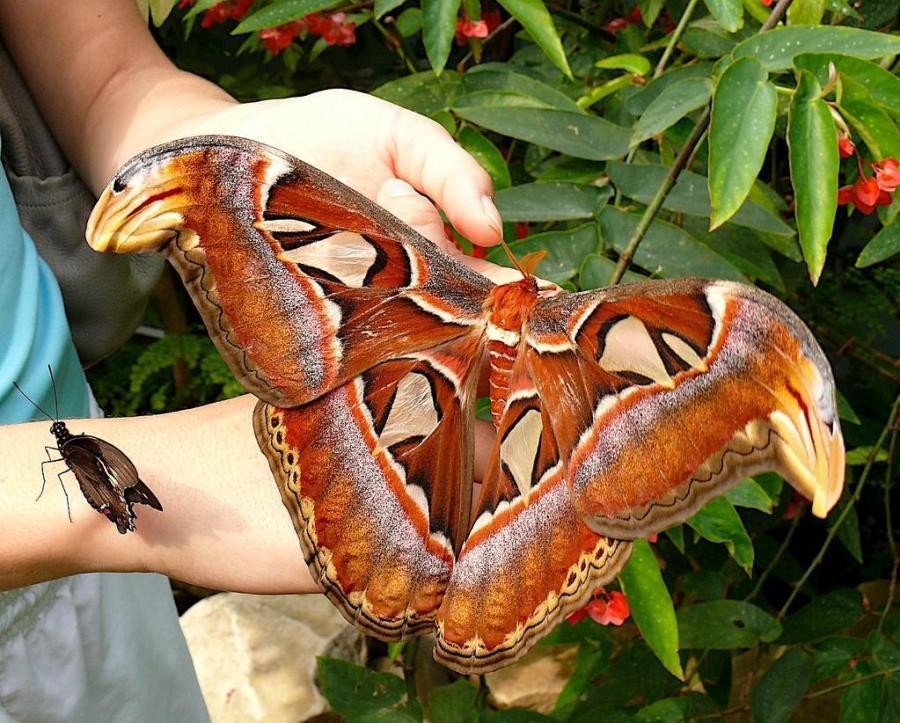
(223,524)
(103,85)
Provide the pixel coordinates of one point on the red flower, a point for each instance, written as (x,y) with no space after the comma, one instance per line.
(865,194)
(278,38)
(604,609)
(479,252)
(653,538)
(796,505)
(492,18)
(635,17)
(616,25)
(522,229)
(846,147)
(228,10)
(182,4)
(887,174)
(333,29)
(466,28)
(767,3)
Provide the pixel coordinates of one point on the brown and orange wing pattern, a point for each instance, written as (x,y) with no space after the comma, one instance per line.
(303,283)
(530,559)
(685,387)
(377,477)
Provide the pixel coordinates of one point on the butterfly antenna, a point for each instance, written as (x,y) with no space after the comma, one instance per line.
(34,403)
(53,384)
(512,257)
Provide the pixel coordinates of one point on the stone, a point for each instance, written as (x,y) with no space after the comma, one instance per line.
(255,655)
(535,680)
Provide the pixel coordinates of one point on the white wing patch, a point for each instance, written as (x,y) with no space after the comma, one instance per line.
(346,256)
(629,348)
(684,350)
(412,413)
(519,449)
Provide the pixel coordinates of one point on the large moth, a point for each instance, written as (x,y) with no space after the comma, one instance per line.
(618,412)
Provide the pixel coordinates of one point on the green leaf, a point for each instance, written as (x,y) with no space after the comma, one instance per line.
(729,13)
(743,120)
(282,12)
(438,29)
(565,251)
(845,411)
(651,606)
(747,493)
(423,93)
(806,12)
(741,246)
(718,521)
(777,48)
(650,10)
(383,7)
(834,654)
(814,162)
(848,532)
(781,689)
(705,39)
(455,703)
(858,456)
(667,250)
(860,702)
(675,710)
(593,656)
(495,99)
(487,154)
(883,85)
(361,694)
(825,615)
(868,118)
(408,23)
(670,106)
(535,18)
(596,270)
(199,7)
(639,102)
(553,201)
(725,625)
(676,535)
(631,62)
(690,195)
(503,78)
(579,135)
(884,245)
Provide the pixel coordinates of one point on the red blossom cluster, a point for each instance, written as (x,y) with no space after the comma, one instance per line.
(466,28)
(334,29)
(869,192)
(220,12)
(616,25)
(605,608)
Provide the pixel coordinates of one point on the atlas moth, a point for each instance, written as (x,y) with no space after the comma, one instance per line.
(618,412)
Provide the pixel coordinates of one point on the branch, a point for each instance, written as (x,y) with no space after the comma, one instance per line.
(680,162)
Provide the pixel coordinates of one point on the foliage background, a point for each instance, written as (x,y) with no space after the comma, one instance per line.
(580,111)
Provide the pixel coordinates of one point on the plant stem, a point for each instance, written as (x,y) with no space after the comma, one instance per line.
(394,41)
(776,559)
(658,198)
(680,162)
(675,37)
(832,533)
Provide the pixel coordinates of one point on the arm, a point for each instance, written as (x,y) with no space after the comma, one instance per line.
(223,524)
(108,92)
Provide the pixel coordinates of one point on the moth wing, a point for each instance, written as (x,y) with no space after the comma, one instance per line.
(665,394)
(377,477)
(99,480)
(530,559)
(302,282)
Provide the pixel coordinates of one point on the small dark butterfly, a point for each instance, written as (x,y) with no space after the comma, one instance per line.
(108,479)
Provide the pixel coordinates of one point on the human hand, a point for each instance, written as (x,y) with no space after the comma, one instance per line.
(386,152)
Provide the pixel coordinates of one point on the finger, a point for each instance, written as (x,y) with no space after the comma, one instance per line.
(426,155)
(401,199)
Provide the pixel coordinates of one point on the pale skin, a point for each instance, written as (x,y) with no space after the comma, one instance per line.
(108,92)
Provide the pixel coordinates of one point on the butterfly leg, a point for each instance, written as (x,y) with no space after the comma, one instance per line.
(61,484)
(43,476)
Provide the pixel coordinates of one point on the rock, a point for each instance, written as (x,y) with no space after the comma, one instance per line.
(535,680)
(255,655)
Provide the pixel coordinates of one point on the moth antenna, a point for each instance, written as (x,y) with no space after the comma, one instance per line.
(53,384)
(512,257)
(34,403)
